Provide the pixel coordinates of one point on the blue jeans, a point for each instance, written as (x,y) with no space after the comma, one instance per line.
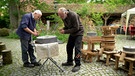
(74,42)
(27,51)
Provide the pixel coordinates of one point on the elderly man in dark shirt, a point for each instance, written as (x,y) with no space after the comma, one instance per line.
(25,30)
(72,26)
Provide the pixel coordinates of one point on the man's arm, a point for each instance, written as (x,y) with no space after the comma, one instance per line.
(35,33)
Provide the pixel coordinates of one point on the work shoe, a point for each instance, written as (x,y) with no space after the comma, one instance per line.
(36,64)
(76,68)
(28,65)
(67,64)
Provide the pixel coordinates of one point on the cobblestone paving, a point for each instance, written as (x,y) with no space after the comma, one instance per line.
(87,69)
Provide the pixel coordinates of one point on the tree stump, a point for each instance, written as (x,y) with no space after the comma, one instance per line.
(2,47)
(7,56)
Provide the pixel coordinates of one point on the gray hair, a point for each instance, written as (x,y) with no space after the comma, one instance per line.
(62,9)
(38,12)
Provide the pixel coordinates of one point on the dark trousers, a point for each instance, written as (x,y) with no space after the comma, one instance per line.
(27,51)
(74,42)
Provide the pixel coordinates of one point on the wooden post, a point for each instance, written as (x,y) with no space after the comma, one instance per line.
(117,56)
(7,56)
(2,47)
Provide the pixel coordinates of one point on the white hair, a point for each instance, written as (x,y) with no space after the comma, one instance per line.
(62,9)
(38,12)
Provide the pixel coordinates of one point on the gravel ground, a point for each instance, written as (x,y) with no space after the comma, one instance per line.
(87,69)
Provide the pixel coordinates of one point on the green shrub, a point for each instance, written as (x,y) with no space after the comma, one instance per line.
(13,35)
(4,32)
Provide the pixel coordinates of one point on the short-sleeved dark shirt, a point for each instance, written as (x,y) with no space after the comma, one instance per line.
(27,21)
(73,25)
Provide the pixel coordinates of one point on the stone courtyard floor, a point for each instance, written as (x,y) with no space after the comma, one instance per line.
(87,69)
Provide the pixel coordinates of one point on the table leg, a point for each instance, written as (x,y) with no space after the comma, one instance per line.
(116,62)
(130,68)
(107,60)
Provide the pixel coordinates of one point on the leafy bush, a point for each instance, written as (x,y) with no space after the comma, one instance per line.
(13,35)
(4,19)
(4,32)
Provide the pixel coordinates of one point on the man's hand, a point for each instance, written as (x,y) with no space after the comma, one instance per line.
(61,31)
(35,33)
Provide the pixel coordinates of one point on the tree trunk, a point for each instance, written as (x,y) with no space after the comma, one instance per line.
(106,17)
(13,12)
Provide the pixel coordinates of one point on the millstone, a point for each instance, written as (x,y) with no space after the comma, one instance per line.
(46,39)
(129,48)
(91,34)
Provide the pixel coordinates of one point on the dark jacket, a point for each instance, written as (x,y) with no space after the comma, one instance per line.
(27,21)
(72,24)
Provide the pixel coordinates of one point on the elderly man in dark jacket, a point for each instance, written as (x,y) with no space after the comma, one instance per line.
(72,26)
(25,30)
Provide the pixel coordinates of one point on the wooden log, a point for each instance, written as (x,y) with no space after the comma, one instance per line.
(2,47)
(7,56)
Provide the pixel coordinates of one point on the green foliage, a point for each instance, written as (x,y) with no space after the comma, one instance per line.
(133,1)
(84,10)
(4,32)
(56,19)
(76,1)
(119,2)
(52,31)
(41,6)
(96,17)
(87,14)
(4,21)
(13,35)
(4,16)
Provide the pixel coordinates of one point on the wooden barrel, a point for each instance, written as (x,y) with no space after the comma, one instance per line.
(6,56)
(108,38)
(109,48)
(107,43)
(2,47)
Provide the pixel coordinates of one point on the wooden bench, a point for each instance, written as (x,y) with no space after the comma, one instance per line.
(109,54)
(89,53)
(131,62)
